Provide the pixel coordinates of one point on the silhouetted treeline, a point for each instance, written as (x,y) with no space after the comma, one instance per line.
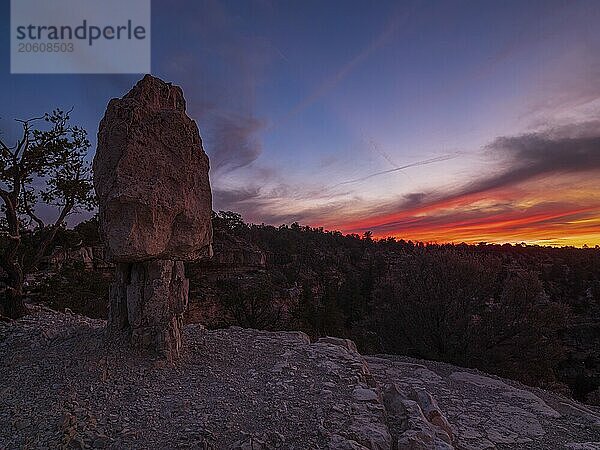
(525,312)
(501,308)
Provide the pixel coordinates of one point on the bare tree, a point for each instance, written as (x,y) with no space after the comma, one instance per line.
(44,165)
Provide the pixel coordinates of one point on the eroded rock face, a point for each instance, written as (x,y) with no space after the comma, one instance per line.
(149,299)
(151,177)
(441,406)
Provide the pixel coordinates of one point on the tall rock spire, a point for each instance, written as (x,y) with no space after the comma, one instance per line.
(151,178)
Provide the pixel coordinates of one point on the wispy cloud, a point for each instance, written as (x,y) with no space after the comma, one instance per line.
(236,140)
(551,222)
(222,98)
(506,201)
(222,95)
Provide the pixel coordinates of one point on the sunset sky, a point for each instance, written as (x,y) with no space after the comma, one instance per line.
(438,121)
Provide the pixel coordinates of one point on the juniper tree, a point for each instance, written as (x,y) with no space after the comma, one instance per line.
(45,165)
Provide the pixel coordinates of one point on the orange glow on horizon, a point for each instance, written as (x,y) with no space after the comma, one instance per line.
(554,212)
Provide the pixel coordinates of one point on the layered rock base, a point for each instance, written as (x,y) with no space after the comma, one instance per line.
(147,301)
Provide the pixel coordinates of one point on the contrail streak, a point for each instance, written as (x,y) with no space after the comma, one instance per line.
(396,169)
(397,22)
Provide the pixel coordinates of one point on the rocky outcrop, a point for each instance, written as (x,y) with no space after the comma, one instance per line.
(151,178)
(65,256)
(478,411)
(236,261)
(65,386)
(90,257)
(233,254)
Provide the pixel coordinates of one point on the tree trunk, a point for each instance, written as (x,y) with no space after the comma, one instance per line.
(12,304)
(48,237)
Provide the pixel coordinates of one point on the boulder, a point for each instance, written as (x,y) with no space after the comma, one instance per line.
(151,177)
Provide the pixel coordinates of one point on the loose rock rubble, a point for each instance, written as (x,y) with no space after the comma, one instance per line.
(64,385)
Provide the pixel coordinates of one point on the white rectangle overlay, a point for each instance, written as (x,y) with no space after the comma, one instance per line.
(80,36)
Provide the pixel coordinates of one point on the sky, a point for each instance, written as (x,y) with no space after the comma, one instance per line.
(437,121)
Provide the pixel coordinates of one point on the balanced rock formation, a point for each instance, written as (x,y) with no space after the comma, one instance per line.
(151,178)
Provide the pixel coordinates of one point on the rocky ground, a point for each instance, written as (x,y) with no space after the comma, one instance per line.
(487,412)
(64,386)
